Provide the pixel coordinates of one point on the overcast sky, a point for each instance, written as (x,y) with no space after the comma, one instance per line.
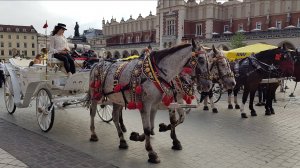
(88,14)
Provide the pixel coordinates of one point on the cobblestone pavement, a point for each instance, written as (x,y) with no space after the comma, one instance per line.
(209,140)
(8,161)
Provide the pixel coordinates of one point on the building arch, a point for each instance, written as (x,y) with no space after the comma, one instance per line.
(117,54)
(287,44)
(134,52)
(125,54)
(108,54)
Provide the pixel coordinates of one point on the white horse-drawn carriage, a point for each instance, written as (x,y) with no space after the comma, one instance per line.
(50,86)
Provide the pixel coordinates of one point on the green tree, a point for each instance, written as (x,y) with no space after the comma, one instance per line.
(237,41)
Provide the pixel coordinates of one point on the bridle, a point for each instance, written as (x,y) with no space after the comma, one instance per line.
(194,64)
(216,64)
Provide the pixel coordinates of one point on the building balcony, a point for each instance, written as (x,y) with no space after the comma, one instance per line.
(258,35)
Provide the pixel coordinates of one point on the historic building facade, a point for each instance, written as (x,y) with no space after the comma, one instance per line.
(208,21)
(18,40)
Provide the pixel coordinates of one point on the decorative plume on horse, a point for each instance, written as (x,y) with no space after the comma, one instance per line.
(141,84)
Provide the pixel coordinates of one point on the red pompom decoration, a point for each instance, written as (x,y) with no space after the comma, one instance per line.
(167,100)
(92,84)
(97,84)
(139,105)
(138,89)
(192,97)
(96,96)
(187,70)
(131,105)
(117,88)
(188,100)
(185,97)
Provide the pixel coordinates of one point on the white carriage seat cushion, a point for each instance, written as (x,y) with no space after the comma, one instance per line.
(20,62)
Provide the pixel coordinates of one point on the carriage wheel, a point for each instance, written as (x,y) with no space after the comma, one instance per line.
(44,110)
(105,112)
(9,96)
(217,92)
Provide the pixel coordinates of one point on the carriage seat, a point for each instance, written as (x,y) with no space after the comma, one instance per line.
(53,61)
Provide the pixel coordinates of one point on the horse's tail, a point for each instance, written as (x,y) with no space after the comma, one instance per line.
(88,97)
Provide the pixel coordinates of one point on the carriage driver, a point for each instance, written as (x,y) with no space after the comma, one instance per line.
(60,49)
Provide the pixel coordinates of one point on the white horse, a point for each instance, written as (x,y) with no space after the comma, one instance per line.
(166,63)
(221,72)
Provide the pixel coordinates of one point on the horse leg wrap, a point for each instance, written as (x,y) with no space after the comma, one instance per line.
(153,158)
(134,136)
(163,127)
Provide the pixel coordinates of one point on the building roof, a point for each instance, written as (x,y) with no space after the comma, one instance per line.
(17,29)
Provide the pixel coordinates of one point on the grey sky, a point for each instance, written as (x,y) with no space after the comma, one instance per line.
(88,14)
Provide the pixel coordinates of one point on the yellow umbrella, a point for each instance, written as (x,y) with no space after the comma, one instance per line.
(246,51)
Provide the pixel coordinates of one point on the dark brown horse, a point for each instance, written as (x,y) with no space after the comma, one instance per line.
(250,71)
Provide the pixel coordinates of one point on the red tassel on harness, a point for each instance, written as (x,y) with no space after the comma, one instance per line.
(185,97)
(92,84)
(277,57)
(97,84)
(138,89)
(117,88)
(167,100)
(187,70)
(96,96)
(131,105)
(192,97)
(188,100)
(139,105)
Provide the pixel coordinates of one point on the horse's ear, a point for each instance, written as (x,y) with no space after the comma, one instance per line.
(214,49)
(194,44)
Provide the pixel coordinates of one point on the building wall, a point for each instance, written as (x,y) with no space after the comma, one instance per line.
(12,43)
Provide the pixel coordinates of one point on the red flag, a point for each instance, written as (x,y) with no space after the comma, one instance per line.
(45,25)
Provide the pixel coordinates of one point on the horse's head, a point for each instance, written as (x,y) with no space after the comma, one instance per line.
(220,69)
(199,63)
(279,57)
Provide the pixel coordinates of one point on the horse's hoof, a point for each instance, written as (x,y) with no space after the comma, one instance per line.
(176,146)
(163,127)
(123,128)
(205,108)
(237,106)
(253,113)
(230,106)
(123,144)
(134,136)
(152,132)
(94,138)
(153,158)
(268,113)
(244,115)
(215,110)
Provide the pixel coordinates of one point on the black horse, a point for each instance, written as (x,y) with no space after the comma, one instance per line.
(250,71)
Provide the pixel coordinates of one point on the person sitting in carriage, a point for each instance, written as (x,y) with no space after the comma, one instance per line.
(60,49)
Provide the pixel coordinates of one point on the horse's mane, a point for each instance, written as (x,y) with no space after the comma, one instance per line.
(157,56)
(267,54)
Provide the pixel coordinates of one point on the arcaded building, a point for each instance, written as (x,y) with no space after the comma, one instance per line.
(209,22)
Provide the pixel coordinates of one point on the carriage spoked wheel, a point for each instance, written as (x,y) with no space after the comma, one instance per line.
(105,112)
(44,109)
(217,92)
(9,96)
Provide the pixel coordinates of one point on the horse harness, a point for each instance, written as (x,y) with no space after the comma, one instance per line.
(216,64)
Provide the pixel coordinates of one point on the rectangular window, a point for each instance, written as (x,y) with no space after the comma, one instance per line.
(2,44)
(121,40)
(137,39)
(226,28)
(241,27)
(32,37)
(9,36)
(25,37)
(278,24)
(25,45)
(17,30)
(18,45)
(198,29)
(2,52)
(32,45)
(171,27)
(1,36)
(258,25)
(33,53)
(129,39)
(298,23)
(10,53)
(17,37)
(9,44)
(24,52)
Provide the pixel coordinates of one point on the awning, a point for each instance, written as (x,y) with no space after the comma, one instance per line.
(246,51)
